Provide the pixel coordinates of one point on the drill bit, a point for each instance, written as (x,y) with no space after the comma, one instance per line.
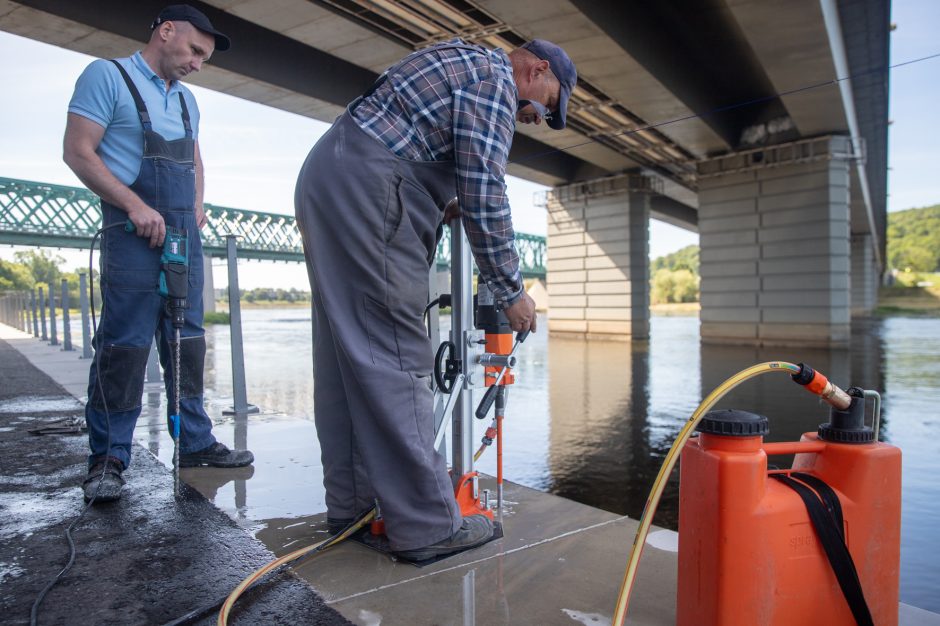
(176,412)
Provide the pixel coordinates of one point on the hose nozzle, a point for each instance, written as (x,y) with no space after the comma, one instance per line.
(818,384)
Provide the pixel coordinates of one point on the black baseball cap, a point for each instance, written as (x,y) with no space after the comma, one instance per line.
(186,13)
(564,71)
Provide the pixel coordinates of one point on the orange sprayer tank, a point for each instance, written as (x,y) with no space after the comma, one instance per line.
(748,553)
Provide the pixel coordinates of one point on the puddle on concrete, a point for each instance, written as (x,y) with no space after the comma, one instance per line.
(283,489)
(667,540)
(591,619)
(41,404)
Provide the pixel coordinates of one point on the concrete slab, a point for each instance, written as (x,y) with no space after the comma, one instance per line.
(558,561)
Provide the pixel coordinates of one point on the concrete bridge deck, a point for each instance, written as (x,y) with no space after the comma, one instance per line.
(559,563)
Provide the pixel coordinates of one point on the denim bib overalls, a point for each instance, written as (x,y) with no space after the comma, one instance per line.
(133,312)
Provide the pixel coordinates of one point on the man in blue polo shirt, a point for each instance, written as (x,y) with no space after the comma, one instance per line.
(131,137)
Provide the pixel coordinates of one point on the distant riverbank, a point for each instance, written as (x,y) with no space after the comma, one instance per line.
(921,301)
(891,301)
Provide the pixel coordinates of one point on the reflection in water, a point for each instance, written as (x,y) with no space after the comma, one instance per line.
(469,598)
(208,480)
(617,407)
(599,402)
(587,420)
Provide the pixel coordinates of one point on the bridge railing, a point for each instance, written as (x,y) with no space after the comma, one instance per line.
(43,214)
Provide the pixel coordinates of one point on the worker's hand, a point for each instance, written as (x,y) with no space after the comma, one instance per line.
(149,225)
(201,219)
(521,314)
(451,211)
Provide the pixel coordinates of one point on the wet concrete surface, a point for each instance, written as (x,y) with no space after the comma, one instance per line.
(560,562)
(147,559)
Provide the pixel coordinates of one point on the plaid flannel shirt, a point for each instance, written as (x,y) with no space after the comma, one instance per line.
(460,105)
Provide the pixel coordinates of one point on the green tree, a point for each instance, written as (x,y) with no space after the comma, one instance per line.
(914,239)
(674,286)
(15,276)
(686,258)
(43,265)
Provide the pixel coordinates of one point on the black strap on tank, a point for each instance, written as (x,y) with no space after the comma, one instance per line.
(453,46)
(828,496)
(142,108)
(833,544)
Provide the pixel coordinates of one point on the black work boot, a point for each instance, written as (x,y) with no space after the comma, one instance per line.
(334,526)
(217,455)
(474,531)
(104,481)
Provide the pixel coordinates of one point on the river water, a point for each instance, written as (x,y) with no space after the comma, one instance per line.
(587,420)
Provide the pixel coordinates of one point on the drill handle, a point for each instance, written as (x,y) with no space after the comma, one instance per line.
(490,396)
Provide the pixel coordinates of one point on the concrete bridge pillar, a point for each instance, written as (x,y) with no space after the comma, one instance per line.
(775,253)
(598,258)
(865,276)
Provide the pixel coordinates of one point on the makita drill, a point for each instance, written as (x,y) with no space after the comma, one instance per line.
(174,287)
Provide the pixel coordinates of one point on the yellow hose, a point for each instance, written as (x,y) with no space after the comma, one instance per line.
(287,558)
(646,519)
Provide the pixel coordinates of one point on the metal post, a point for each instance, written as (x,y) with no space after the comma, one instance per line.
(42,313)
(461,323)
(83,303)
(241,406)
(32,305)
(54,336)
(24,312)
(66,321)
(434,333)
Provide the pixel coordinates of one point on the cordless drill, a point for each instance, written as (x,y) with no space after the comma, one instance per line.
(174,271)
(174,274)
(174,287)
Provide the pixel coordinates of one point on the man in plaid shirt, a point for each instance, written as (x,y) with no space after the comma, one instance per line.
(369,201)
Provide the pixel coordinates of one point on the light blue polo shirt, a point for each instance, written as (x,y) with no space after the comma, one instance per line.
(102,96)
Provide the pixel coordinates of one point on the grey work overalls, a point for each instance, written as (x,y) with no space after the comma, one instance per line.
(369,221)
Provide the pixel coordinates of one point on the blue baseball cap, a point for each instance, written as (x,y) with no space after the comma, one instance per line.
(564,71)
(186,13)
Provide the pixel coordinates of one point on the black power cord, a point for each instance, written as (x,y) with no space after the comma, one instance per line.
(34,611)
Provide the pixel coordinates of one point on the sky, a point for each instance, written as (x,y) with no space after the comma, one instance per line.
(252,152)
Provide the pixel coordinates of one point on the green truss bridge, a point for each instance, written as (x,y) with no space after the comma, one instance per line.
(41,214)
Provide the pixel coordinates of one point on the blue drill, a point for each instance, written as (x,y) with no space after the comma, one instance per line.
(174,287)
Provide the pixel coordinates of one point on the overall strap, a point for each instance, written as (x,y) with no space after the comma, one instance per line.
(142,108)
(185,113)
(836,551)
(436,48)
(138,100)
